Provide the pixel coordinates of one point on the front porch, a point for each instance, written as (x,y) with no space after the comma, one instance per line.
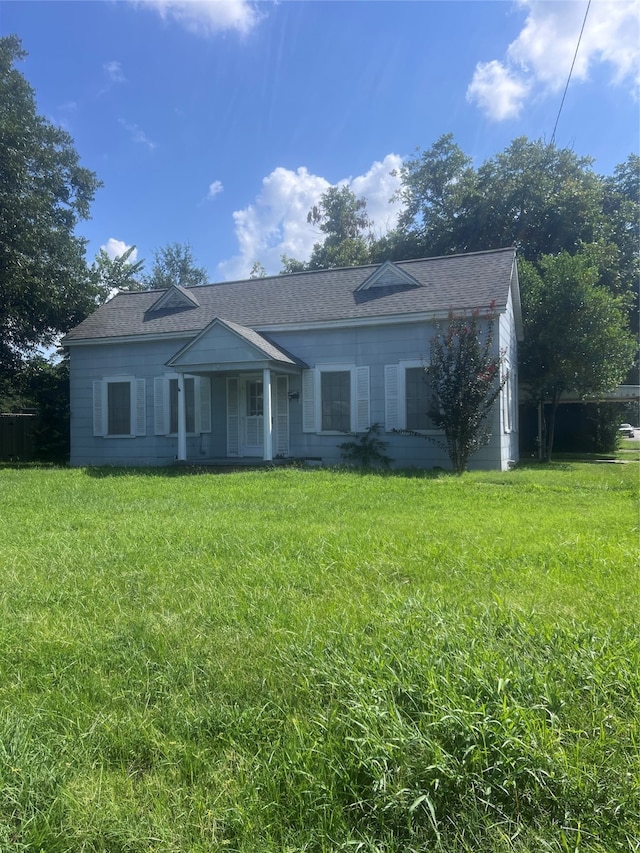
(255,400)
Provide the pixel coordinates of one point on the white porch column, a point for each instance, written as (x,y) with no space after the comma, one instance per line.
(182,420)
(267,415)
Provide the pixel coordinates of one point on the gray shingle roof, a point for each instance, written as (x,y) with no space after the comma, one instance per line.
(455,282)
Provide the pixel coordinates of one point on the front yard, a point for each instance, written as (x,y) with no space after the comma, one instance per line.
(291,660)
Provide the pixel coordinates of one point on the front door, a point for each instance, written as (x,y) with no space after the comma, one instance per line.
(251,416)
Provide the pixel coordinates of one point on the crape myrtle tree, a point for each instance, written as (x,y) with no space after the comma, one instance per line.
(45,288)
(465,377)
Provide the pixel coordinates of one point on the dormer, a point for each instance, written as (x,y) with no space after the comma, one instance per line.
(175,297)
(388,275)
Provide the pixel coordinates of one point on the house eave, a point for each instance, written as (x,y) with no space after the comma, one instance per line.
(238,367)
(132,339)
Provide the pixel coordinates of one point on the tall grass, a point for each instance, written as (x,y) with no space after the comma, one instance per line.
(319,661)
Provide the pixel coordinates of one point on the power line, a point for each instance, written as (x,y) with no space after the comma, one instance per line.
(553,135)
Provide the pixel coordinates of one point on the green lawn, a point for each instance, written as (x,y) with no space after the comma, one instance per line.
(309,660)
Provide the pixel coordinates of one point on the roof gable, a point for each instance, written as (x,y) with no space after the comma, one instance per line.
(174,297)
(222,343)
(386,276)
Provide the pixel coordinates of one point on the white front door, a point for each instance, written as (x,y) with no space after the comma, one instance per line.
(251,416)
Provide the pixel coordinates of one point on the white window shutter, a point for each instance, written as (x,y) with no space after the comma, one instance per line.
(98,422)
(140,409)
(233,417)
(308,401)
(391,397)
(282,416)
(160,405)
(363,415)
(203,403)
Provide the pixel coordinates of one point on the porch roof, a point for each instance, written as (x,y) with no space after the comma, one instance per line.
(224,345)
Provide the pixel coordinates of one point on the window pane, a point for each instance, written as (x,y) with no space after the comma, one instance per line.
(189,401)
(255,399)
(417,398)
(173,405)
(335,391)
(119,408)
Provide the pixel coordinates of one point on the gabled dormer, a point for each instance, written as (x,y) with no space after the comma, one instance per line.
(388,275)
(174,297)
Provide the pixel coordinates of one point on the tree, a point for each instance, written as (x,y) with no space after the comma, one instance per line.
(434,188)
(45,288)
(622,209)
(113,274)
(291,265)
(46,385)
(342,217)
(535,196)
(465,376)
(258,270)
(576,334)
(175,264)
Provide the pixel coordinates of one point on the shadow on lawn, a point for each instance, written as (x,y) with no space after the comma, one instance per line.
(213,470)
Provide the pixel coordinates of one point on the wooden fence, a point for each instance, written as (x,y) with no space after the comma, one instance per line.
(16,437)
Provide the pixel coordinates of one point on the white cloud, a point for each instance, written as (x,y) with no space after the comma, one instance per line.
(497,90)
(206,17)
(138,136)
(378,186)
(276,223)
(539,60)
(114,248)
(214,189)
(114,72)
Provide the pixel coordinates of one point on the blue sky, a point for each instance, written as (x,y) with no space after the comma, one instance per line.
(219,124)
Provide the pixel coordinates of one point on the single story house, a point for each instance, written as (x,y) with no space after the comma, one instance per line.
(284,366)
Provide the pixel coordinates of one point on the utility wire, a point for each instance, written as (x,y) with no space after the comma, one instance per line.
(553,135)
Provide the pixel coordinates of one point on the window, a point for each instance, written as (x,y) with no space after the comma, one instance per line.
(417,401)
(335,398)
(197,404)
(509,405)
(255,399)
(407,397)
(119,407)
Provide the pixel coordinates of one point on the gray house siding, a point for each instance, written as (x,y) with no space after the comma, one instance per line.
(134,344)
(372,346)
(143,360)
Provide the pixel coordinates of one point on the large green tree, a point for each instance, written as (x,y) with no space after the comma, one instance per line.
(576,334)
(44,193)
(537,197)
(342,217)
(175,264)
(120,273)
